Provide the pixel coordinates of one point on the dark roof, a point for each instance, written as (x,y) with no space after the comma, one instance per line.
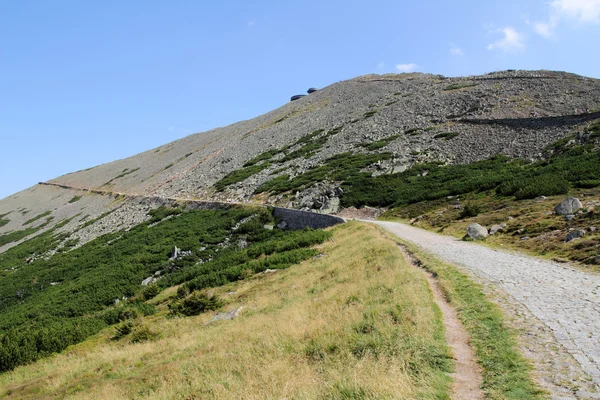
(312,90)
(296,97)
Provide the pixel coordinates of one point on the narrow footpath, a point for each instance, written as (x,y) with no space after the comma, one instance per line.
(467,376)
(565,299)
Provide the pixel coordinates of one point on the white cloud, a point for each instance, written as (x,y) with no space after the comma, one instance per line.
(381,65)
(406,67)
(457,51)
(511,42)
(582,11)
(251,23)
(544,29)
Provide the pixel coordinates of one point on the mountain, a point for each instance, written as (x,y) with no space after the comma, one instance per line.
(379,124)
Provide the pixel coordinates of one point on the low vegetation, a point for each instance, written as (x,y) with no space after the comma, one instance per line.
(4,221)
(342,167)
(506,374)
(125,172)
(37,217)
(446,135)
(531,225)
(457,86)
(577,167)
(15,236)
(356,323)
(49,303)
(379,143)
(305,147)
(75,199)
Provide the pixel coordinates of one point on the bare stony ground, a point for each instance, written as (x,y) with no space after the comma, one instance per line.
(565,301)
(517,113)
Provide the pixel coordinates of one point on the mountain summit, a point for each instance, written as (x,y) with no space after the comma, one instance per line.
(380,124)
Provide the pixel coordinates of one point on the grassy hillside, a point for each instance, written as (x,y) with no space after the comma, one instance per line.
(52,300)
(354,323)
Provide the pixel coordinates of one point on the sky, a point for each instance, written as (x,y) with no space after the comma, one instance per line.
(88,82)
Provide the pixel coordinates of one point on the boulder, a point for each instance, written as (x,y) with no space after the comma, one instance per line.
(568,206)
(576,234)
(148,281)
(226,316)
(477,232)
(282,225)
(496,228)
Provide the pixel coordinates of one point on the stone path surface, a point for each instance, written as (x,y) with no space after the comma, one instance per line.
(565,299)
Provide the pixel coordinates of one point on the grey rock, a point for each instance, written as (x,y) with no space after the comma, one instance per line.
(282,225)
(148,281)
(496,228)
(525,238)
(477,232)
(569,217)
(268,227)
(568,206)
(226,316)
(576,234)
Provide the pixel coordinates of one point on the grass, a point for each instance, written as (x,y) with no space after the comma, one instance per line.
(38,318)
(357,323)
(506,374)
(531,217)
(74,199)
(37,217)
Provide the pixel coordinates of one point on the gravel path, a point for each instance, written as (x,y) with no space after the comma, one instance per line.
(565,299)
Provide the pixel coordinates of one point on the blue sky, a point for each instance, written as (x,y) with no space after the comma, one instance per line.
(88,82)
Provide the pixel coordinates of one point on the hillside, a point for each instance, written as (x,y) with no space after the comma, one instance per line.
(138,254)
(357,322)
(391,123)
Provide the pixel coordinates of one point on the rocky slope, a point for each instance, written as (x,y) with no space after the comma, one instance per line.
(415,117)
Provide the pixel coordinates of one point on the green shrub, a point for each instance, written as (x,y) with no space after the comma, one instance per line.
(4,221)
(446,135)
(42,215)
(141,333)
(543,186)
(196,304)
(38,319)
(470,210)
(123,329)
(380,143)
(240,175)
(413,131)
(151,292)
(75,199)
(183,291)
(588,184)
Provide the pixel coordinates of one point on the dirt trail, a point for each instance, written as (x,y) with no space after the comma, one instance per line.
(467,377)
(565,300)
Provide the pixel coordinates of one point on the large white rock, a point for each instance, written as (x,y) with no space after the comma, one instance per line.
(477,232)
(568,206)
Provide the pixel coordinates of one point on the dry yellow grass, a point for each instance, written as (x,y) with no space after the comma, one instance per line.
(356,323)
